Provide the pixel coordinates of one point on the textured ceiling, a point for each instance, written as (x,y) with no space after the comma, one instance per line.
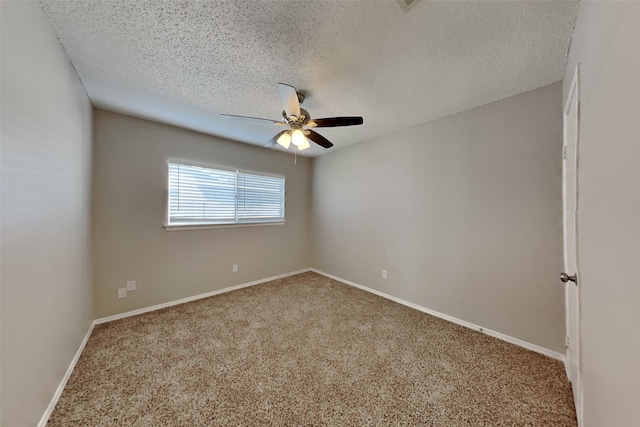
(185,62)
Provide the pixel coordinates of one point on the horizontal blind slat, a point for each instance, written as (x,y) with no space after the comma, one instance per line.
(204,195)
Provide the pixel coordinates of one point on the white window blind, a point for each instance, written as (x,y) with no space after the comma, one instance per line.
(200,196)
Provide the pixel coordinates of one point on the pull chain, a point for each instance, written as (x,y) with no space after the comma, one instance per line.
(295,157)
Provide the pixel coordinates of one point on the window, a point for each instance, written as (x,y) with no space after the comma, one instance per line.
(205,196)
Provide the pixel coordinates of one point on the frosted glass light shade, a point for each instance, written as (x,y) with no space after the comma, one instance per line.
(304,145)
(284,140)
(297,137)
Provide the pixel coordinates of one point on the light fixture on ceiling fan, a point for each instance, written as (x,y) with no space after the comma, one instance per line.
(298,119)
(295,135)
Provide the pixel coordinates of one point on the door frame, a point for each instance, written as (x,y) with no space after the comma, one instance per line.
(574,91)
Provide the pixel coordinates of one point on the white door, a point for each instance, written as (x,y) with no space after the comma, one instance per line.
(570,209)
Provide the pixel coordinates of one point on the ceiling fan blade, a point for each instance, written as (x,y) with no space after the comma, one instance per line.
(251,118)
(319,139)
(273,141)
(338,121)
(289,99)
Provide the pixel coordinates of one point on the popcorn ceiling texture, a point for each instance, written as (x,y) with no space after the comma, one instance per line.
(185,62)
(307,350)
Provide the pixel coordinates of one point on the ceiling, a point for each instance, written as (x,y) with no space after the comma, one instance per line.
(186,62)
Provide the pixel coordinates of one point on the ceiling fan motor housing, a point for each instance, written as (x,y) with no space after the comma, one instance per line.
(303,119)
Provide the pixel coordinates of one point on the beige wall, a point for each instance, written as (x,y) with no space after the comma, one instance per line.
(45,225)
(464,212)
(605,43)
(129,204)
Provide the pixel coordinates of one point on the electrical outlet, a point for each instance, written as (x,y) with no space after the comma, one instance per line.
(131,285)
(384,274)
(122,292)
(235,268)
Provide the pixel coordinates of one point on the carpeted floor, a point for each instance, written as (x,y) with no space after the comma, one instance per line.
(307,351)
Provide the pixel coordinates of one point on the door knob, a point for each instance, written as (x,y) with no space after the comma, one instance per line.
(565,278)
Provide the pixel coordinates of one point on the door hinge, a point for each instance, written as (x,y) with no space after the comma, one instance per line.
(566,342)
(564,152)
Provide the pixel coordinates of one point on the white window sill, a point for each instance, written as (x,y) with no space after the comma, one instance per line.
(179,227)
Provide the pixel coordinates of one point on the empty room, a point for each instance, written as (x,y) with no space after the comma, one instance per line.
(319,213)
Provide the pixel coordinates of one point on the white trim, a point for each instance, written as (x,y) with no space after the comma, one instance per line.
(65,379)
(194,298)
(520,343)
(574,92)
(200,164)
(176,227)
(74,361)
(222,167)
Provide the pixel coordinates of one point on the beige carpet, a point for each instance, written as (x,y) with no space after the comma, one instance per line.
(307,351)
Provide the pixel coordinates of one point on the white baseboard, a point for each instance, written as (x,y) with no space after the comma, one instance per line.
(194,298)
(495,334)
(65,379)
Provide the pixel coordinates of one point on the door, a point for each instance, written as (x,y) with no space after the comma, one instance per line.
(570,276)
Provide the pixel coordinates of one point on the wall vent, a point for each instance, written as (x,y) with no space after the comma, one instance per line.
(408,4)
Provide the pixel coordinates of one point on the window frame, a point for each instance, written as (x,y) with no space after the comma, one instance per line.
(205,225)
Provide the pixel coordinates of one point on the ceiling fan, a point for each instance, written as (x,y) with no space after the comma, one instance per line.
(297,120)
